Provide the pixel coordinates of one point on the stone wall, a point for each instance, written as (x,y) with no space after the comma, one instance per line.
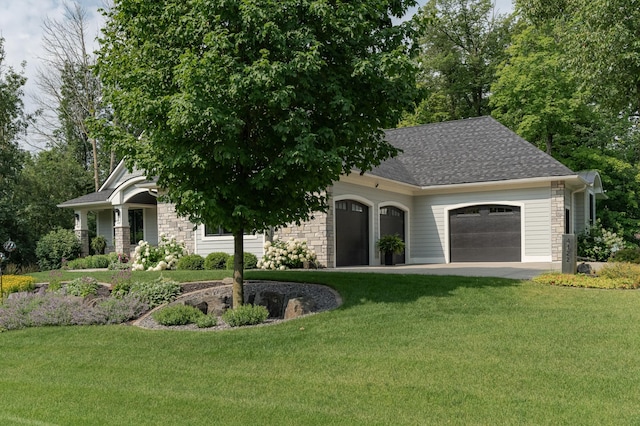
(318,232)
(557,219)
(170,224)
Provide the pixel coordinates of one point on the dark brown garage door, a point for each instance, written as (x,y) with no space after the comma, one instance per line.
(392,223)
(352,233)
(486,233)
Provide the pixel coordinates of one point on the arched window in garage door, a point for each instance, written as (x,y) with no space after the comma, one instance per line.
(485,233)
(352,233)
(391,223)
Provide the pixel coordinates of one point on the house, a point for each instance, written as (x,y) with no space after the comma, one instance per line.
(461,191)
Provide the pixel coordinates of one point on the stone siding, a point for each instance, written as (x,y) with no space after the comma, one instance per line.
(318,232)
(122,242)
(83,237)
(170,224)
(557,219)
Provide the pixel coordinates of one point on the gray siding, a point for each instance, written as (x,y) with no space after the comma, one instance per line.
(104,225)
(204,245)
(151,225)
(430,221)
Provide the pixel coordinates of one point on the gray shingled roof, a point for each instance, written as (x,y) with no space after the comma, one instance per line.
(93,198)
(464,151)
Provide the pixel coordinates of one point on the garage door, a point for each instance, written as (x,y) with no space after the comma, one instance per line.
(485,233)
(352,233)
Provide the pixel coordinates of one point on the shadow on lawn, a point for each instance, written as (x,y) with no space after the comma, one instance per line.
(357,287)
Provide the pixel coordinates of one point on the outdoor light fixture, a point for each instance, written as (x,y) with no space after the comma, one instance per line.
(8,246)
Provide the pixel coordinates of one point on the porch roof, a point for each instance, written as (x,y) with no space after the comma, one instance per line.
(95,198)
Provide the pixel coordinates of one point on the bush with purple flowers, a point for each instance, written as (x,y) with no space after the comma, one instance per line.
(54,309)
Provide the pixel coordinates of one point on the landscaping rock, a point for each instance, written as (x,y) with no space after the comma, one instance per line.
(216,305)
(585,268)
(298,306)
(274,302)
(201,305)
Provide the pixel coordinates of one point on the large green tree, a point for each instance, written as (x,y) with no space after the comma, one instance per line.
(13,124)
(461,42)
(247,111)
(536,95)
(601,42)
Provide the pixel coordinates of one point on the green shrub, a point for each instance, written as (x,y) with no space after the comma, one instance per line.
(55,246)
(216,260)
(156,292)
(99,244)
(83,286)
(206,321)
(630,255)
(98,261)
(245,315)
(192,262)
(121,289)
(177,315)
(620,270)
(599,244)
(250,261)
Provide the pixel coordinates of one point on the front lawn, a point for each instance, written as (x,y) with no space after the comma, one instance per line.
(403,349)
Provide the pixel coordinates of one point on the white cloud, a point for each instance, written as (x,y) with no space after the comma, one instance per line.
(21,27)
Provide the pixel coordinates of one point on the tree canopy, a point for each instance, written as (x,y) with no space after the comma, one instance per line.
(247,111)
(461,42)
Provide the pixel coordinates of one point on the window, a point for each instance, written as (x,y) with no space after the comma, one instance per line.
(341,205)
(356,208)
(136,226)
(469,211)
(215,231)
(592,210)
(500,210)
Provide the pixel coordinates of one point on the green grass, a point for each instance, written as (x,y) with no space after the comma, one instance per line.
(401,350)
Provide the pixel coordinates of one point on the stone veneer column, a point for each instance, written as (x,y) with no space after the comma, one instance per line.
(122,232)
(82,231)
(170,224)
(318,232)
(557,219)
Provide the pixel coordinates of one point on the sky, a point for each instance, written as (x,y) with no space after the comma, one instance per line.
(21,27)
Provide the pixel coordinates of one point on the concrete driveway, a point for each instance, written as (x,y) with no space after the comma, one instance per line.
(497,269)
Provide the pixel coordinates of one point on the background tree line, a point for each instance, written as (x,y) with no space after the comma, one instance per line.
(564,75)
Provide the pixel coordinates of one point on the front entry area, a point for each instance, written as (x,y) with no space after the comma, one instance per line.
(485,233)
(352,233)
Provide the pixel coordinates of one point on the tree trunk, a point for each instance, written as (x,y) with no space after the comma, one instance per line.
(238,268)
(549,142)
(94,145)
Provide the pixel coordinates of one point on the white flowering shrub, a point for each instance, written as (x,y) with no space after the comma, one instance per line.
(164,256)
(598,243)
(290,254)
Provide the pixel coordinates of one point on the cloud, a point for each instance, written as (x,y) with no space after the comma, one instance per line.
(21,27)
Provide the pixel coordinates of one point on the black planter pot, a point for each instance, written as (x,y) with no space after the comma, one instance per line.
(388,258)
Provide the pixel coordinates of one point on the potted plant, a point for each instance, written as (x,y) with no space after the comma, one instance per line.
(390,244)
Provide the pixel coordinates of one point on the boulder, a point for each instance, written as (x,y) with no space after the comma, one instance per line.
(298,306)
(585,268)
(201,305)
(274,302)
(216,305)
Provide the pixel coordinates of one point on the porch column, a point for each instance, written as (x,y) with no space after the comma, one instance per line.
(81,230)
(122,240)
